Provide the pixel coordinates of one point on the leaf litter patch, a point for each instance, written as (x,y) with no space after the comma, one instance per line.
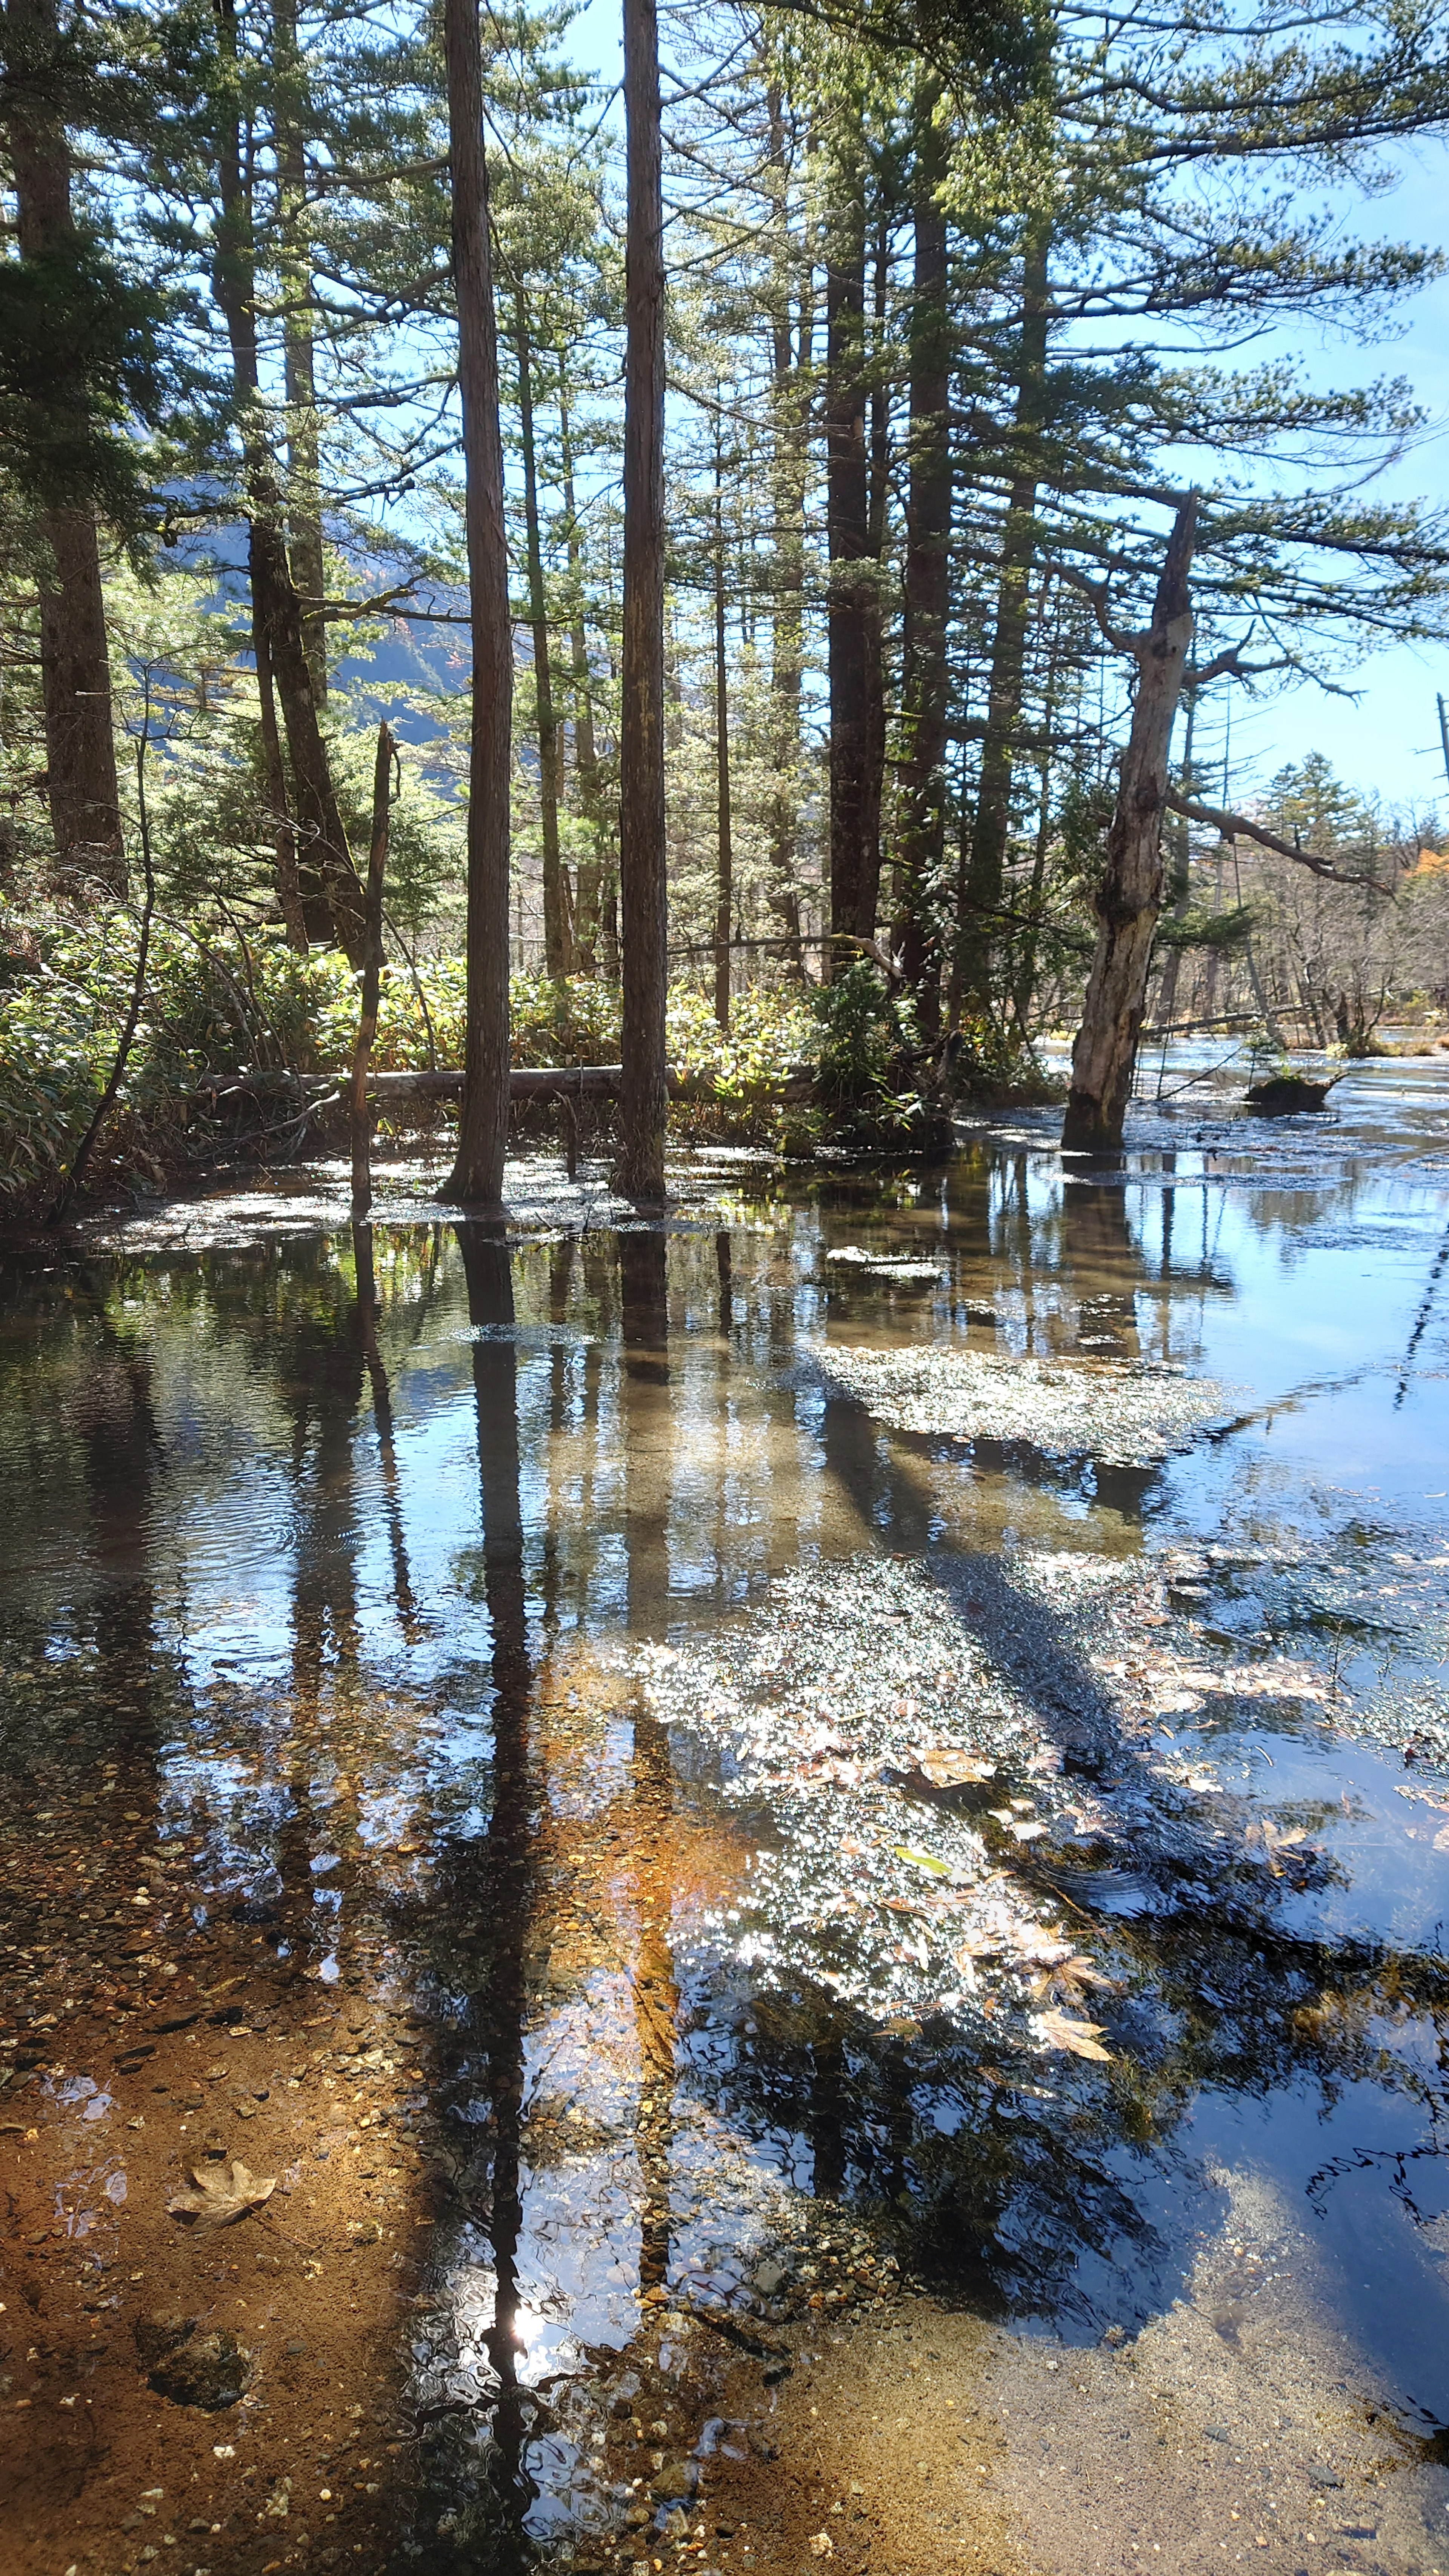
(1128,1413)
(926,1763)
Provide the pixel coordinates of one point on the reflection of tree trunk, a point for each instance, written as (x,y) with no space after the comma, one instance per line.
(120,1447)
(321,1383)
(656,1990)
(367,1314)
(644,1392)
(827,2113)
(726,1283)
(488,1270)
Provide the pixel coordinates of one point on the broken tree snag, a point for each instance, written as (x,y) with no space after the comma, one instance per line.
(1129,895)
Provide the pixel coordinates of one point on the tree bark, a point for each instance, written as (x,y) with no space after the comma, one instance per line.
(557,943)
(587,907)
(928,538)
(304,462)
(477,1175)
(979,930)
(847,506)
(788,470)
(639,1171)
(1129,896)
(276,608)
(80,748)
(362,1045)
(284,835)
(725,867)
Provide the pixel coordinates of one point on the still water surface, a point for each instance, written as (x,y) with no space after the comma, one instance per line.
(348,1609)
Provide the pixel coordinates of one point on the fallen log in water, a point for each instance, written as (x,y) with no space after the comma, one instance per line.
(527,1082)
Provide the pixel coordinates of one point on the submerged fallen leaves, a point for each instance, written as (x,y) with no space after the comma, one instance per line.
(221,2195)
(1083,2038)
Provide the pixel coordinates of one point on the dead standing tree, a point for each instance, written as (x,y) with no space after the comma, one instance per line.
(1128,897)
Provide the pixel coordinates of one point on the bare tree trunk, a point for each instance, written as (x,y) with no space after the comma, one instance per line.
(1181,883)
(477,1174)
(927,603)
(557,944)
(867,902)
(362,1045)
(276,609)
(586,759)
(80,748)
(724,879)
(980,926)
(1128,898)
(639,1172)
(304,496)
(788,436)
(847,520)
(284,836)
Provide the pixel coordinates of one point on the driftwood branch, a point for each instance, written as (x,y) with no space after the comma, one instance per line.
(1235,826)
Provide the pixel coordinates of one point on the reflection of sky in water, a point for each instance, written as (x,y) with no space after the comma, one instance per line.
(1261,1258)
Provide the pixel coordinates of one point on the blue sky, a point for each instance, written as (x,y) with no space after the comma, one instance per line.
(1385,740)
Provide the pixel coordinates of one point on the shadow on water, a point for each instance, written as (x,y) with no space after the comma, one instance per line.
(355,1651)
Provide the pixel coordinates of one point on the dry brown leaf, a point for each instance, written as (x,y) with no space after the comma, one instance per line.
(222,2194)
(1083,2038)
(1071,1979)
(946,1767)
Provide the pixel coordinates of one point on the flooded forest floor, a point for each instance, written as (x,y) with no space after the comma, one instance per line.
(754,1891)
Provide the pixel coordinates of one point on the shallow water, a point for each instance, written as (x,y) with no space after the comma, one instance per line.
(463,1761)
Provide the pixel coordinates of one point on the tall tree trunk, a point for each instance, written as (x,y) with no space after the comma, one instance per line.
(1181,884)
(276,608)
(477,1174)
(725,868)
(557,944)
(927,602)
(75,671)
(304,464)
(586,758)
(872,598)
(1128,898)
(847,506)
(360,1118)
(284,836)
(788,474)
(643,1103)
(980,925)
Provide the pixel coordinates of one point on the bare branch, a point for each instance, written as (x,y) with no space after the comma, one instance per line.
(1235,826)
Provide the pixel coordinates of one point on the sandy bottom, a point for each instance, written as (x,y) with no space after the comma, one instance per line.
(1237,2428)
